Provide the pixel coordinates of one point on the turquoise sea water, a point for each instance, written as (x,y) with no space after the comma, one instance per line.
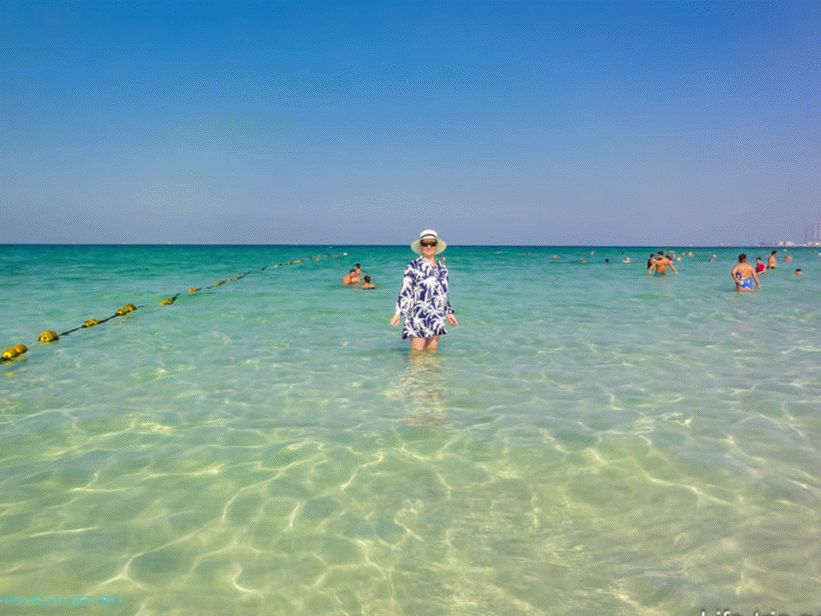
(589,440)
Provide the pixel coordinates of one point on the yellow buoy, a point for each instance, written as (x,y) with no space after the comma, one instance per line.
(91,323)
(167,301)
(193,289)
(125,309)
(49,335)
(12,352)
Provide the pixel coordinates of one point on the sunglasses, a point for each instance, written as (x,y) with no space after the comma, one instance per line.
(428,243)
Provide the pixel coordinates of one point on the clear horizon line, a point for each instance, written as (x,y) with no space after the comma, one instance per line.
(450,244)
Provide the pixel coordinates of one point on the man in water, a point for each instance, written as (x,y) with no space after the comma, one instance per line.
(659,265)
(771,260)
(351,278)
(743,274)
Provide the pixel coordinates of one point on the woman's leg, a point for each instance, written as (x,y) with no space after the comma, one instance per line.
(418,344)
(432,343)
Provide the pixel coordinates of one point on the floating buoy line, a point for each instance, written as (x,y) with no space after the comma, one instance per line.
(50,336)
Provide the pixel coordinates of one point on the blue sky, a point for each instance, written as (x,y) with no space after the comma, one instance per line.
(496,123)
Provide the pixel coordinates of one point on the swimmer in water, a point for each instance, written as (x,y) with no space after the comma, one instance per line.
(659,265)
(771,262)
(351,279)
(368,285)
(743,275)
(760,268)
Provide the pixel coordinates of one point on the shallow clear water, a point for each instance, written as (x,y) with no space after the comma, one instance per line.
(588,440)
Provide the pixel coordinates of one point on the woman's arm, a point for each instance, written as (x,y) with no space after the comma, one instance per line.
(449,314)
(405,298)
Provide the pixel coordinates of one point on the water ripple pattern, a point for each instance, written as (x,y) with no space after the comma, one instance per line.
(590,440)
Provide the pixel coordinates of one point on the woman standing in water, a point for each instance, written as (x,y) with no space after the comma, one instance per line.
(423,298)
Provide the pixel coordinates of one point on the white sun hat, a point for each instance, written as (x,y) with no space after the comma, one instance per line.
(428,234)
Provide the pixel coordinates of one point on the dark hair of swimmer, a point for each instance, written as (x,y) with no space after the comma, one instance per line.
(367,278)
(351,271)
(742,257)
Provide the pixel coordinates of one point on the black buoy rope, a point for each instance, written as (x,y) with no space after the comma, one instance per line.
(48,336)
(90,323)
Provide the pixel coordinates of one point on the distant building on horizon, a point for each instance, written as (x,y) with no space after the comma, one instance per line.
(812,237)
(812,233)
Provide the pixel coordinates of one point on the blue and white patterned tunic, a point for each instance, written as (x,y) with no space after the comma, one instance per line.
(423,299)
